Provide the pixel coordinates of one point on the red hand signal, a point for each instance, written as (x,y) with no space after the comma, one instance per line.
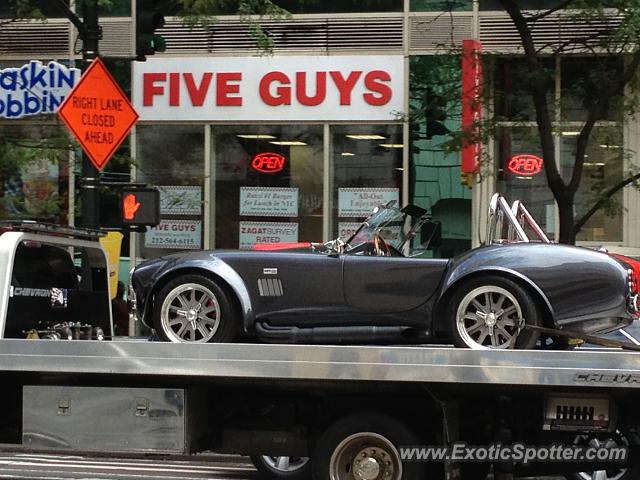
(130,206)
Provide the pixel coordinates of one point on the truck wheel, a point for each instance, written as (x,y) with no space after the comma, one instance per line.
(290,468)
(193,309)
(617,439)
(490,312)
(365,447)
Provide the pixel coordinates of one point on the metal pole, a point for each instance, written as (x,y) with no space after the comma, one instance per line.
(89,183)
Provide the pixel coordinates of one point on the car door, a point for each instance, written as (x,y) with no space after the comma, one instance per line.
(285,284)
(390,284)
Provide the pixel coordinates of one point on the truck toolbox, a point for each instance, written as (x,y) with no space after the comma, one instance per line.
(144,420)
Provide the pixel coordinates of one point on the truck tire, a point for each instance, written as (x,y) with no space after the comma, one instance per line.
(289,468)
(484,313)
(194,309)
(368,443)
(616,439)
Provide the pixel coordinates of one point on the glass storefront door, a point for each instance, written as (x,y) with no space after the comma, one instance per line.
(265,184)
(268,184)
(366,171)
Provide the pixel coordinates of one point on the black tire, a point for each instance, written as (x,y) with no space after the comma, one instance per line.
(192,295)
(475,471)
(506,293)
(614,439)
(365,431)
(267,469)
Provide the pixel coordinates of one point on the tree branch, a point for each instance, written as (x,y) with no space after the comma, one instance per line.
(603,199)
(560,6)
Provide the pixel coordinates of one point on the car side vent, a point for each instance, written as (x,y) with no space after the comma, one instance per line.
(270,287)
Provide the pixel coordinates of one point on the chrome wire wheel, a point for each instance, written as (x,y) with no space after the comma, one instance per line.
(489,317)
(190,313)
(365,456)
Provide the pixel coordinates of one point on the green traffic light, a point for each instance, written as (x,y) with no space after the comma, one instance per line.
(158,43)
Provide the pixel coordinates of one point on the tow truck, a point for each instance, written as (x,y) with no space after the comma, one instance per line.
(358,412)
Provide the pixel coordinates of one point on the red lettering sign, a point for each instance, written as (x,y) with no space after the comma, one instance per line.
(471,105)
(268,162)
(525,165)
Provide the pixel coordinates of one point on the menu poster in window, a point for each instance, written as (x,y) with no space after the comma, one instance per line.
(180,200)
(267,232)
(389,233)
(347,229)
(360,202)
(178,234)
(269,202)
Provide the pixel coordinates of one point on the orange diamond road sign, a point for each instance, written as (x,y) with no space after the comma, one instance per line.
(98,113)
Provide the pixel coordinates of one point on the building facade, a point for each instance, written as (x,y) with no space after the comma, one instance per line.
(352,107)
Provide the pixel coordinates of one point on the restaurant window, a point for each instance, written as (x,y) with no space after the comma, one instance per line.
(294,7)
(496,5)
(573,81)
(367,171)
(441,5)
(531,189)
(34,172)
(603,168)
(268,184)
(512,98)
(172,158)
(581,76)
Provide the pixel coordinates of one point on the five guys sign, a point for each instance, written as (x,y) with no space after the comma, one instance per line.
(269,88)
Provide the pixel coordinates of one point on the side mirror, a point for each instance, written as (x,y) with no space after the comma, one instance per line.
(431,234)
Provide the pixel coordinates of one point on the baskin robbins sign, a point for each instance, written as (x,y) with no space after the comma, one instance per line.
(296,88)
(35,88)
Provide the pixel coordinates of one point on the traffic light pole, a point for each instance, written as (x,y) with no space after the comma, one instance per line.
(90,181)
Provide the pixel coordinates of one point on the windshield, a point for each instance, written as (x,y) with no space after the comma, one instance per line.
(387,222)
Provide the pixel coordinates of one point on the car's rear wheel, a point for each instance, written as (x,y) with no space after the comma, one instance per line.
(491,312)
(194,309)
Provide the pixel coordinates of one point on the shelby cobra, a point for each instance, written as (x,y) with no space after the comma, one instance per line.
(369,289)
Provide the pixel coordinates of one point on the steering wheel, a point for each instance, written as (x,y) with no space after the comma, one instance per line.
(380,247)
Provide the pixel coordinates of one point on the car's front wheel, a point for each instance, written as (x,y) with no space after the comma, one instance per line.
(194,309)
(491,312)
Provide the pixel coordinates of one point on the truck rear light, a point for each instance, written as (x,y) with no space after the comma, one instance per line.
(566,412)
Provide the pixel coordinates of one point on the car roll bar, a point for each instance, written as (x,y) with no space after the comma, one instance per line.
(517,217)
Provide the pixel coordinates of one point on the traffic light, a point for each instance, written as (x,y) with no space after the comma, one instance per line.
(140,206)
(148,20)
(435,112)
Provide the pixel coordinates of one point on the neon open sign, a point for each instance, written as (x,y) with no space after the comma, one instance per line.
(268,162)
(525,165)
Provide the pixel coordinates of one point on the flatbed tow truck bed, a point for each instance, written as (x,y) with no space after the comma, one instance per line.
(142,397)
(597,368)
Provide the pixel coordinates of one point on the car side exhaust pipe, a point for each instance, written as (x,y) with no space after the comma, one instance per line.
(335,335)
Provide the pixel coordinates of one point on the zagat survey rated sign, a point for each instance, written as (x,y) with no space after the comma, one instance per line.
(98,113)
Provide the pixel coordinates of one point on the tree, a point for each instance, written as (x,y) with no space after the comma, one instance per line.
(614,31)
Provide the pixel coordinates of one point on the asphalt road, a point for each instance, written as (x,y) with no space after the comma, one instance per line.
(23,466)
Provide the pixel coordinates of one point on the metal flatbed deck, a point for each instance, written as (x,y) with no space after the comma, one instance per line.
(591,368)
